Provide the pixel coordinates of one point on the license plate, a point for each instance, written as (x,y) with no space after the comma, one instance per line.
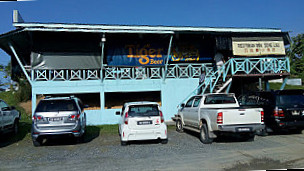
(144,122)
(55,119)
(243,129)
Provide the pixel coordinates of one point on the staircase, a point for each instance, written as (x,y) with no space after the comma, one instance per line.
(218,81)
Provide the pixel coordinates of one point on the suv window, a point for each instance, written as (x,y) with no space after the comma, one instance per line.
(56,105)
(219,99)
(143,110)
(290,99)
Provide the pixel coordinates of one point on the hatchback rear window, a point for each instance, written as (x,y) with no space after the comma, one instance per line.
(56,105)
(143,110)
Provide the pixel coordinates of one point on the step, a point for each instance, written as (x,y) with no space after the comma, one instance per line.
(191,129)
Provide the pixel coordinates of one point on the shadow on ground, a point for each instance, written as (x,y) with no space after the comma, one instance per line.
(225,138)
(9,138)
(92,132)
(263,164)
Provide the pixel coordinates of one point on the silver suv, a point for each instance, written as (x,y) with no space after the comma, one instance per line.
(58,116)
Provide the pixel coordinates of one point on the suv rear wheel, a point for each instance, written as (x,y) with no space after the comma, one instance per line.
(37,142)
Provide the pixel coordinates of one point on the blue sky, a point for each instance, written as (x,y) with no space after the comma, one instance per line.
(287,15)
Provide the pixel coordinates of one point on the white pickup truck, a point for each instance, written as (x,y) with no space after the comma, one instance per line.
(213,114)
(9,118)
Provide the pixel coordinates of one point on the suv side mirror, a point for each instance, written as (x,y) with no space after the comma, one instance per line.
(182,105)
(117,112)
(13,107)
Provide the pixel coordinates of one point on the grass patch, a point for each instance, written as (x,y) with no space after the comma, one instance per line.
(277,86)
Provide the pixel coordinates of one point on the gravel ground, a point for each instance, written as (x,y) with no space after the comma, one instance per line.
(184,151)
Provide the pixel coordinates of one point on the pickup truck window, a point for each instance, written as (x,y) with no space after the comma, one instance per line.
(219,99)
(189,102)
(197,101)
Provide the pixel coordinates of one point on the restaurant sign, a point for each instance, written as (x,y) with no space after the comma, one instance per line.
(258,46)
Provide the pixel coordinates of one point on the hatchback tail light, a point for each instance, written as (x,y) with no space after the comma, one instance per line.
(219,118)
(161,116)
(126,118)
(262,116)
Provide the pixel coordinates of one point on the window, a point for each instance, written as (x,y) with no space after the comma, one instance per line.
(3,104)
(143,110)
(189,102)
(116,100)
(56,105)
(219,99)
(197,101)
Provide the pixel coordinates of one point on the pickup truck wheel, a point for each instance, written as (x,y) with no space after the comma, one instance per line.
(164,141)
(249,137)
(179,126)
(204,135)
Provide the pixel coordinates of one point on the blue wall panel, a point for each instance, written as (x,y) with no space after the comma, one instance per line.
(173,91)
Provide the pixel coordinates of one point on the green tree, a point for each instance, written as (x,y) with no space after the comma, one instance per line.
(7,74)
(296,55)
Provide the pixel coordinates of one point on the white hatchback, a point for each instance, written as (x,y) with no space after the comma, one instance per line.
(142,121)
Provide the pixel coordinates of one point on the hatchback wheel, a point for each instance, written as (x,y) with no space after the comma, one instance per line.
(124,143)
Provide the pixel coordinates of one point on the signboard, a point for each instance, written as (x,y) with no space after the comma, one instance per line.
(154,53)
(188,53)
(258,46)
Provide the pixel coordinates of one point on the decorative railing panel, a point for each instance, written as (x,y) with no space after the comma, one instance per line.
(174,71)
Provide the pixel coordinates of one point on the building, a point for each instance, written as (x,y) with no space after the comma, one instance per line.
(107,65)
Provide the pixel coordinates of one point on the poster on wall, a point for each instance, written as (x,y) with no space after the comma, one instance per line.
(258,46)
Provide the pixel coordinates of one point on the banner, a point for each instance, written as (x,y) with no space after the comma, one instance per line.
(154,53)
(137,54)
(258,46)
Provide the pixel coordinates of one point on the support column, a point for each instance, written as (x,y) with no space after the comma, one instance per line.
(34,101)
(260,84)
(168,56)
(267,86)
(20,64)
(103,40)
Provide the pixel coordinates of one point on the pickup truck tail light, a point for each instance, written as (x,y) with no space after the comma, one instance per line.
(278,113)
(126,118)
(161,116)
(262,116)
(219,119)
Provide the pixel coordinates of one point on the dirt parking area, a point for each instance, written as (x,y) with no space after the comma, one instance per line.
(102,151)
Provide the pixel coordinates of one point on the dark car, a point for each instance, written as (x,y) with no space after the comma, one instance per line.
(283,109)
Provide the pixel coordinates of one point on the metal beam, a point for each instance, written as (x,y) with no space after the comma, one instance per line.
(168,56)
(19,62)
(284,83)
